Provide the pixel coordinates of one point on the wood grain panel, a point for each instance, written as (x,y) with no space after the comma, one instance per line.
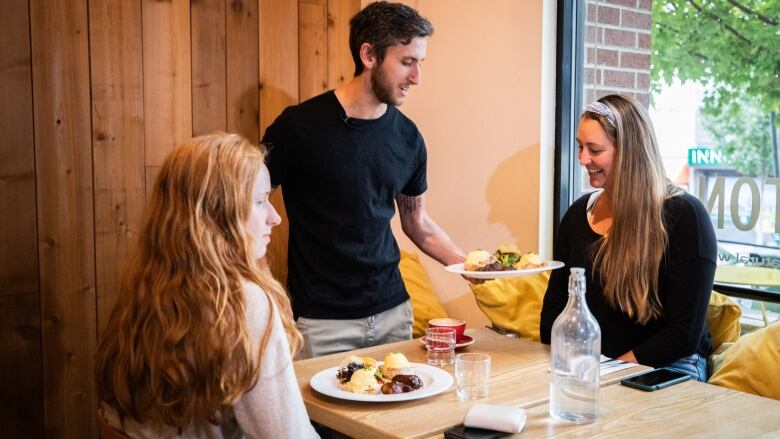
(312,49)
(242,68)
(118,140)
(150,175)
(18,249)
(278,89)
(278,22)
(20,368)
(341,68)
(167,77)
(60,63)
(209,112)
(20,332)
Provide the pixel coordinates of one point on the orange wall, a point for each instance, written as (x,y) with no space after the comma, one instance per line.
(479,109)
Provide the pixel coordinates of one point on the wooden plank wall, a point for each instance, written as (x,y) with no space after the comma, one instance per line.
(66,232)
(243,61)
(95,94)
(20,332)
(118,140)
(167,81)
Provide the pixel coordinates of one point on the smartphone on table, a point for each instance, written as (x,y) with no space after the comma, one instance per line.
(463,432)
(655,379)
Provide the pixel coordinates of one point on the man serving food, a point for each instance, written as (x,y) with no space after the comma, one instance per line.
(343,158)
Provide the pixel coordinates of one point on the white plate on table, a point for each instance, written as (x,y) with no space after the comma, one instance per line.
(435,381)
(458,268)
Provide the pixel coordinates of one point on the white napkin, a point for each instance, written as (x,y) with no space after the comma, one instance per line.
(496,417)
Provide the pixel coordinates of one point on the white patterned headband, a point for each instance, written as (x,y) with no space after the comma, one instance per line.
(602,110)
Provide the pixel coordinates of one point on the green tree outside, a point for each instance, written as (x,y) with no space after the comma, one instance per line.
(732,47)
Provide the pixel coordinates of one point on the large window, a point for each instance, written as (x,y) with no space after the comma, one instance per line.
(708,72)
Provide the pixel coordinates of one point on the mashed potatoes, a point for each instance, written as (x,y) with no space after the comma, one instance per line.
(363,381)
(530,260)
(477,260)
(396,364)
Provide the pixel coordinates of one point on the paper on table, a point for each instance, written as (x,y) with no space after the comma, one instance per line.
(609,365)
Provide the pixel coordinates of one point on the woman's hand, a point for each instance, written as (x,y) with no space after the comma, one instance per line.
(628,356)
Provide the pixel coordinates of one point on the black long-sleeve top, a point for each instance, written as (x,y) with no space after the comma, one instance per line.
(685,283)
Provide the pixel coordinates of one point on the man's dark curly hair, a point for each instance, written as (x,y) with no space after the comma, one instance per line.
(382,25)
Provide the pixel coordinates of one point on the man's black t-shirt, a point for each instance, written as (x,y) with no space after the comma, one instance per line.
(339,178)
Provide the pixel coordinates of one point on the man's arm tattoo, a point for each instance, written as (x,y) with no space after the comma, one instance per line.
(408,204)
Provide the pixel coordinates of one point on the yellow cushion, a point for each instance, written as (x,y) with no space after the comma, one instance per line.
(723,320)
(425,304)
(514,305)
(751,364)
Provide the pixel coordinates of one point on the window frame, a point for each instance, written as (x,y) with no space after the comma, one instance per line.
(570,50)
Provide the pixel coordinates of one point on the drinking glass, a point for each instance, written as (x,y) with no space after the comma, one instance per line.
(472,375)
(458,325)
(440,343)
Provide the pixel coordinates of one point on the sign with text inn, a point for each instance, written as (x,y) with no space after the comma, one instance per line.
(704,157)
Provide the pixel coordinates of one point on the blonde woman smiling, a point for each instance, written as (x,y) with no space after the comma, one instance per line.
(200,341)
(648,247)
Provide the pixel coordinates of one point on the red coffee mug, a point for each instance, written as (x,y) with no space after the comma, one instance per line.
(458,325)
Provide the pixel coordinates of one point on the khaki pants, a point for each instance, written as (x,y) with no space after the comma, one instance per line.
(328,336)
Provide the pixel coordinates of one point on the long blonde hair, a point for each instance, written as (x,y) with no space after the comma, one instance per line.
(177,348)
(629,257)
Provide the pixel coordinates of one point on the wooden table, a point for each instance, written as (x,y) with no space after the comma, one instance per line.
(690,409)
(520,378)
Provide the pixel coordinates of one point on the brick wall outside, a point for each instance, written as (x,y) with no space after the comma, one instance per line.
(617,49)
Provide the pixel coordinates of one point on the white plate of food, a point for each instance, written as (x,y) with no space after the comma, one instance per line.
(435,381)
(548,265)
(506,261)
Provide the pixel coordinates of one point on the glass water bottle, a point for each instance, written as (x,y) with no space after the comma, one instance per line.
(576,351)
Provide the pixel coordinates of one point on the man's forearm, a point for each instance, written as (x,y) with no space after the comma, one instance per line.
(434,242)
(424,232)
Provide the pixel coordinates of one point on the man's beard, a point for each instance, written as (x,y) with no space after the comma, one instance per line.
(381,87)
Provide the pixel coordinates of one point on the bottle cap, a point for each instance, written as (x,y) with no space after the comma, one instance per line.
(577,270)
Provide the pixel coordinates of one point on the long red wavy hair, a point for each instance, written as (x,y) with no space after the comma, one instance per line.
(176,347)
